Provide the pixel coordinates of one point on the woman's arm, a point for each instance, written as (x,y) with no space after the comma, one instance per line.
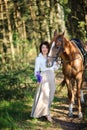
(37,66)
(37,70)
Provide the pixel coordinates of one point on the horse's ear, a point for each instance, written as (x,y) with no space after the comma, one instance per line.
(55,32)
(63,33)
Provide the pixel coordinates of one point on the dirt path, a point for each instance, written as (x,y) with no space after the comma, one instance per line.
(60,109)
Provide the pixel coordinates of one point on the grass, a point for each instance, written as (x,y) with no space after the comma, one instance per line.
(15,115)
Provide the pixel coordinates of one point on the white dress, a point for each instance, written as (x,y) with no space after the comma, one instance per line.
(45,92)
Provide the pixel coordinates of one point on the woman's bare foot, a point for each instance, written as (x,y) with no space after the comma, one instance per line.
(48,117)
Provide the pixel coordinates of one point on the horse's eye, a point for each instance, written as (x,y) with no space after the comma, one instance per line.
(59,39)
(56,46)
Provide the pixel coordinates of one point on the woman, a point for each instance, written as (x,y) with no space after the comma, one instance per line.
(46,79)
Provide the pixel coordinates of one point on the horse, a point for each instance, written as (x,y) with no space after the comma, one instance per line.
(72,67)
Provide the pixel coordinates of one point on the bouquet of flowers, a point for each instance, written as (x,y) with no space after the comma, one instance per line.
(39,77)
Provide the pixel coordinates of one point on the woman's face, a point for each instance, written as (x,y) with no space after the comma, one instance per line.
(44,49)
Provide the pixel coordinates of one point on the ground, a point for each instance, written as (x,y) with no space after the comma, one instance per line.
(60,108)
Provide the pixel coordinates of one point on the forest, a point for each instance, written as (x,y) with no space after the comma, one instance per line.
(24,24)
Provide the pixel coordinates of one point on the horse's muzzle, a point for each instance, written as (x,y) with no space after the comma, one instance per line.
(49,64)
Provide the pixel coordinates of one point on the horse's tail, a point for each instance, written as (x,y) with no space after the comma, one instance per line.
(62,84)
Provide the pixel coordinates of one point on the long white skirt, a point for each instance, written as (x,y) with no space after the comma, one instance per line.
(44,95)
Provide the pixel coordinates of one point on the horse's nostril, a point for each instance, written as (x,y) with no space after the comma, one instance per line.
(50,64)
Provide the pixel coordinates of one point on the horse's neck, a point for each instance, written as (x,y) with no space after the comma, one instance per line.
(71,47)
(70,51)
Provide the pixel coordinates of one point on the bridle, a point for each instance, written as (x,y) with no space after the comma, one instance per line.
(56,58)
(53,57)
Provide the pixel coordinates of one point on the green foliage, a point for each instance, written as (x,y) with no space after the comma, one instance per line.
(64,1)
(12,83)
(15,38)
(81,26)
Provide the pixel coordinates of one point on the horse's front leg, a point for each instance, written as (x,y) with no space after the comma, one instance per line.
(81,91)
(70,96)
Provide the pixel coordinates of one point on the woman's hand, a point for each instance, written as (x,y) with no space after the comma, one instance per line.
(39,77)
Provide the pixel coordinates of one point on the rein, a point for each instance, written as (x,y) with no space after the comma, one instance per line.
(62,61)
(55,57)
(67,61)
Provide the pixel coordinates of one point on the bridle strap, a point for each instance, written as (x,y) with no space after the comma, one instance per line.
(67,61)
(55,58)
(51,56)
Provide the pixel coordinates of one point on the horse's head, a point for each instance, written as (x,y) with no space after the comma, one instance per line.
(56,49)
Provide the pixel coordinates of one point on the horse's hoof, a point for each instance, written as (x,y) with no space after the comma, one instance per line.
(70,114)
(80,115)
(82,101)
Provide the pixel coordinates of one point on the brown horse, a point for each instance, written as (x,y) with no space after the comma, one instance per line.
(72,66)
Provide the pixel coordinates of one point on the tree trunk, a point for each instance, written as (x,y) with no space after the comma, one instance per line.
(9,30)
